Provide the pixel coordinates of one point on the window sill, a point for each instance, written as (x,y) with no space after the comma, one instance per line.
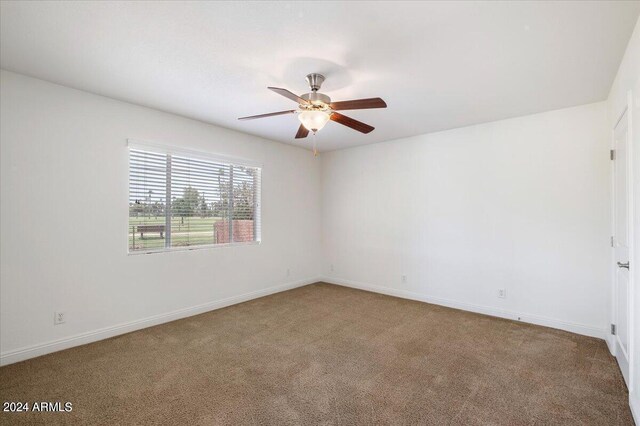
(187,248)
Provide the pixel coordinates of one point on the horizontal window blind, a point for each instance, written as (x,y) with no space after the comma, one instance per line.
(185,200)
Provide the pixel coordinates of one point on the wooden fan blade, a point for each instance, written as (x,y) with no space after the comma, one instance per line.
(350,122)
(359,104)
(288,94)
(271,114)
(303,132)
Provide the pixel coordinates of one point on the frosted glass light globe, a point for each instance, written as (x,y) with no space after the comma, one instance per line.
(313,120)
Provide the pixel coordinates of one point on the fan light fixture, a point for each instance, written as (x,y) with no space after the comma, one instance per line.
(313,120)
(315,109)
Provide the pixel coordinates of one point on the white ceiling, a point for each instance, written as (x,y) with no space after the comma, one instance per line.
(438,65)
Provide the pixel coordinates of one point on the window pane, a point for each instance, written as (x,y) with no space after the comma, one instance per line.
(147,191)
(199,195)
(244,199)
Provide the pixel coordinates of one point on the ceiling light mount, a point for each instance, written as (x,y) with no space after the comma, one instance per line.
(315,81)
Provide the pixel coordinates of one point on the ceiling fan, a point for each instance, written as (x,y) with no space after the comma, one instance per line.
(315,109)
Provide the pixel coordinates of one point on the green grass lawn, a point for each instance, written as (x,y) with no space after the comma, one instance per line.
(184,232)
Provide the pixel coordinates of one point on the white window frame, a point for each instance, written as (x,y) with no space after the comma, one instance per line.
(167,149)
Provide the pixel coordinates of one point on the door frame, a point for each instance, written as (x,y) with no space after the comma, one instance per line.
(612,340)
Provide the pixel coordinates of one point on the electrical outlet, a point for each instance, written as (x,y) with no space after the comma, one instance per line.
(404,278)
(59,318)
(502,293)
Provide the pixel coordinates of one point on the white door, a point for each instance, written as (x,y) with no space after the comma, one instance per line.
(621,244)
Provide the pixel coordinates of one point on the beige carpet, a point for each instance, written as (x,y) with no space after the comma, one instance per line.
(324,354)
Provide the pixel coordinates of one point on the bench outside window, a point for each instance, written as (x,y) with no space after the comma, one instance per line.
(150,228)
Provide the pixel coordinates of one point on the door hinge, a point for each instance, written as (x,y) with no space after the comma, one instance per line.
(612,154)
(613,244)
(613,329)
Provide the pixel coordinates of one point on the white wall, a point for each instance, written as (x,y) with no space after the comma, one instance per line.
(64,212)
(520,204)
(627,86)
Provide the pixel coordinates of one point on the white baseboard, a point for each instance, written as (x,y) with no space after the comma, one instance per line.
(634,403)
(21,354)
(517,316)
(10,357)
(611,344)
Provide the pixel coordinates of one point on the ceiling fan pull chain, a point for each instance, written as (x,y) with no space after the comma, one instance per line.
(315,151)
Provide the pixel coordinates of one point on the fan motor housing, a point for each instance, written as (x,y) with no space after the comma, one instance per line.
(316,98)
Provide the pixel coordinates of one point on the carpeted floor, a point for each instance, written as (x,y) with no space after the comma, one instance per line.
(324,354)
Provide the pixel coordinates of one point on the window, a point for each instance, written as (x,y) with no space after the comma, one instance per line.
(179,199)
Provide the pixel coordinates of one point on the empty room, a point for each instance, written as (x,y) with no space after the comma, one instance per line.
(320,212)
